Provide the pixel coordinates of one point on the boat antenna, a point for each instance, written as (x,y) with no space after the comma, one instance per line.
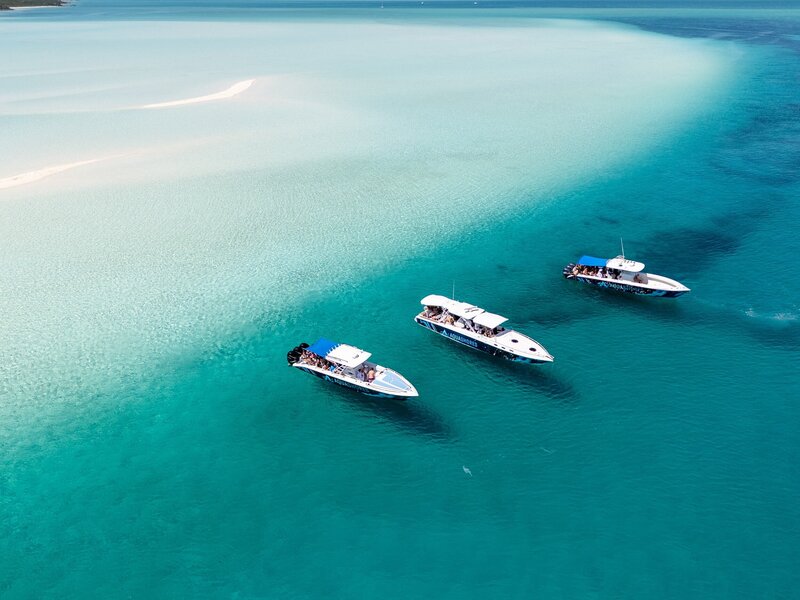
(623,248)
(453,297)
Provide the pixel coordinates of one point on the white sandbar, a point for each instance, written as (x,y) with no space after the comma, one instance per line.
(33,7)
(235,89)
(32,176)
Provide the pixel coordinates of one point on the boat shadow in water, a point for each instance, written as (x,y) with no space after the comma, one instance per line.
(664,309)
(539,378)
(408,415)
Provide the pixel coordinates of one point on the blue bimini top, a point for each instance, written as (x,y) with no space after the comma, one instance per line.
(322,347)
(592,261)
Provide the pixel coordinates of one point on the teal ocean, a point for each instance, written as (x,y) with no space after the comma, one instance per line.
(154,443)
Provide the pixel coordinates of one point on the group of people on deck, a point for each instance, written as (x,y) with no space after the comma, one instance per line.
(605,272)
(365,373)
(315,360)
(437,313)
(596,271)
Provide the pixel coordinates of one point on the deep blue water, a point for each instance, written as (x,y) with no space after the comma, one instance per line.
(656,458)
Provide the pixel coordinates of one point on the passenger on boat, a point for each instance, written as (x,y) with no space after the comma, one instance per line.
(432,312)
(370,375)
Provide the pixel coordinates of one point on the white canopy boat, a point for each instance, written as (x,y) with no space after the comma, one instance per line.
(479,329)
(350,367)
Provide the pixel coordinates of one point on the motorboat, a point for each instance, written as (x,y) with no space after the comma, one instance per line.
(477,328)
(350,367)
(622,274)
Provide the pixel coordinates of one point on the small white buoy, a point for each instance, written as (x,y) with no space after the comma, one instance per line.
(466,470)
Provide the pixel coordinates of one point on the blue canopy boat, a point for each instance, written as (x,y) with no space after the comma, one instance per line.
(349,367)
(624,275)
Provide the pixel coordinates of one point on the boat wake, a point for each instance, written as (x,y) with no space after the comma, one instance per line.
(786,317)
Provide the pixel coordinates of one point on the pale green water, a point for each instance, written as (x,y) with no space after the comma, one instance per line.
(156,445)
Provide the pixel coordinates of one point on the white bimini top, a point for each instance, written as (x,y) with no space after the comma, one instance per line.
(348,356)
(489,320)
(624,264)
(462,309)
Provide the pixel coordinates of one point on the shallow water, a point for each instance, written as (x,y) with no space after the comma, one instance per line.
(155,443)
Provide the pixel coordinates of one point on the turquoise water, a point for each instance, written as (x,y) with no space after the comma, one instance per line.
(155,444)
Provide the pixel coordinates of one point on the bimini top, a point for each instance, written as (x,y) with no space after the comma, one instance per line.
(619,262)
(461,309)
(454,307)
(342,354)
(592,261)
(624,264)
(436,300)
(489,320)
(322,346)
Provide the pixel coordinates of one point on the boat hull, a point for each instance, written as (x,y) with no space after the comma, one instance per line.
(475,344)
(621,286)
(350,385)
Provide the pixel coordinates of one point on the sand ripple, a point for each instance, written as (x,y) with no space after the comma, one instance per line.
(32,176)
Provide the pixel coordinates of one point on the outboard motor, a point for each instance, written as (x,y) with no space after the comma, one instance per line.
(295,353)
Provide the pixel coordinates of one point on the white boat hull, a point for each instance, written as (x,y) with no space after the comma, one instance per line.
(657,286)
(387,383)
(534,352)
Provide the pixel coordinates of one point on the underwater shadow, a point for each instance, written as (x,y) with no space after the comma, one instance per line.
(538,378)
(535,306)
(409,415)
(591,302)
(668,250)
